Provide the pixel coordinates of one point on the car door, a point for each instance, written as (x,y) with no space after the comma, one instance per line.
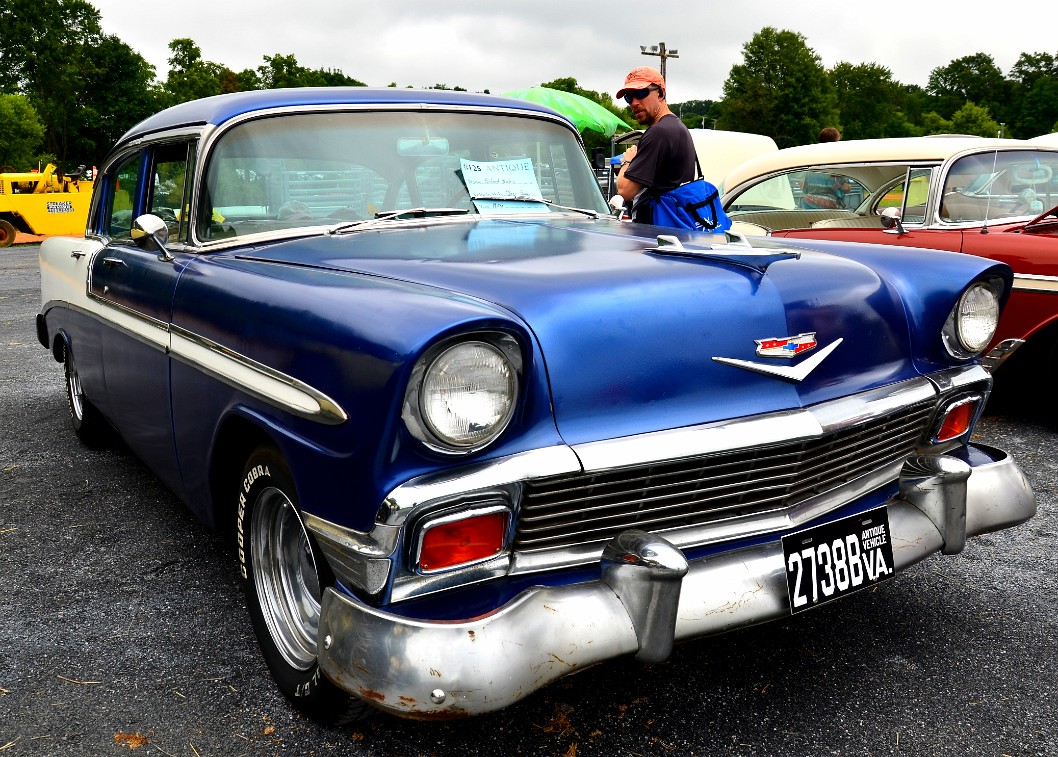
(135,288)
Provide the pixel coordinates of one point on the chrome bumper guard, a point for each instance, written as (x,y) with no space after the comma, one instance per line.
(648,597)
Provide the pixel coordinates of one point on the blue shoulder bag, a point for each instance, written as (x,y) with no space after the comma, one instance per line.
(694,205)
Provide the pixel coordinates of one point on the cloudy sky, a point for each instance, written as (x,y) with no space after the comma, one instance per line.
(500,46)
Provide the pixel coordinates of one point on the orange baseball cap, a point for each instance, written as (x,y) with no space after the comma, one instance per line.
(641,78)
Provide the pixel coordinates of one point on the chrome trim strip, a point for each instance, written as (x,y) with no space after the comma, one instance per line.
(546,462)
(745,433)
(998,355)
(1025,282)
(234,369)
(254,378)
(140,326)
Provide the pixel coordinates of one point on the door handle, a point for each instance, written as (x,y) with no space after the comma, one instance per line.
(114,262)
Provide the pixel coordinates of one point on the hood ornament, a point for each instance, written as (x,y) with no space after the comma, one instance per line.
(794,373)
(734,250)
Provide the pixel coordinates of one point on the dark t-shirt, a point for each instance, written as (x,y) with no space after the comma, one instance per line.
(664,160)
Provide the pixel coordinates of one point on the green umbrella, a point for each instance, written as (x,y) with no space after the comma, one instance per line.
(584,113)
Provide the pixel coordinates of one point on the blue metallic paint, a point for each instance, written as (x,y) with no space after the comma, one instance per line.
(617,340)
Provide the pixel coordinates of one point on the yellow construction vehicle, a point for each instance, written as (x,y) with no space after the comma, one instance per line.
(44,203)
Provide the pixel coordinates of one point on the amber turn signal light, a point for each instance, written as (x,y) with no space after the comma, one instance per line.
(957,419)
(449,543)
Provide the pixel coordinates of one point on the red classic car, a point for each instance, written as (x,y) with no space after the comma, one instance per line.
(995,198)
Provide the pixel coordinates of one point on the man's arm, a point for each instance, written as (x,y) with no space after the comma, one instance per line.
(626,187)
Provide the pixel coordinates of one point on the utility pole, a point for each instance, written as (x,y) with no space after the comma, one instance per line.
(662,52)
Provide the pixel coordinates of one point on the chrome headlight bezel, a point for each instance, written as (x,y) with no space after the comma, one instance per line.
(421,416)
(972,323)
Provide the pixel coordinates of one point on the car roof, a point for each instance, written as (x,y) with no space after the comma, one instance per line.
(896,150)
(221,108)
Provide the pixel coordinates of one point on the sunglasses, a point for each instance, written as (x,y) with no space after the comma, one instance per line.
(639,94)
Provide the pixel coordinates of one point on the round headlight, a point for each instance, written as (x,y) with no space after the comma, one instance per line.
(974,320)
(468,394)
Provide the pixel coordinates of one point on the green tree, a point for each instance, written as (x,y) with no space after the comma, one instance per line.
(934,123)
(1035,94)
(21,132)
(45,48)
(973,78)
(695,114)
(190,77)
(281,71)
(121,91)
(870,100)
(974,119)
(781,90)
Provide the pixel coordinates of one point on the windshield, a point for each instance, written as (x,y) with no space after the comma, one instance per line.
(1000,184)
(327,169)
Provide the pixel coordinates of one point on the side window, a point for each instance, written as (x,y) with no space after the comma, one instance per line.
(776,193)
(168,198)
(915,196)
(827,190)
(121,198)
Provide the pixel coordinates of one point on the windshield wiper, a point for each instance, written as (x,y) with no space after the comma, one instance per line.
(530,198)
(395,215)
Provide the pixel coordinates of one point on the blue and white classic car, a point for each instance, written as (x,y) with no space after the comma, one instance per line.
(468,432)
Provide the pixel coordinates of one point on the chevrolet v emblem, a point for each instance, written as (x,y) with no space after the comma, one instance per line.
(797,372)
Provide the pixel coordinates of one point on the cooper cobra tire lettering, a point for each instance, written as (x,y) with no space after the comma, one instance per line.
(285,578)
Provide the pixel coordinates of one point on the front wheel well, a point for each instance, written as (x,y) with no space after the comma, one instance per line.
(235,441)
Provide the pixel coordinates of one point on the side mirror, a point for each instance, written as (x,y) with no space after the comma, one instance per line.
(890,218)
(617,205)
(150,233)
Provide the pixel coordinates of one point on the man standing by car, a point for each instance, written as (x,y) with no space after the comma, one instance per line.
(664,158)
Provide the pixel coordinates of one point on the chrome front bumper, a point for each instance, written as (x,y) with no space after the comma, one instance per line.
(647,597)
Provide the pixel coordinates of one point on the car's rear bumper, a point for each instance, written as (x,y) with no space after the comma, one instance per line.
(647,597)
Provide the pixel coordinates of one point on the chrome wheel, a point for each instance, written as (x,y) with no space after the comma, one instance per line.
(286,579)
(76,393)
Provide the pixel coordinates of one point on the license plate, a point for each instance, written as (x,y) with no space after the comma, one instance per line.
(829,561)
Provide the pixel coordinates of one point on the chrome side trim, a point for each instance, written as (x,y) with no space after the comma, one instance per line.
(1025,282)
(234,369)
(998,355)
(254,378)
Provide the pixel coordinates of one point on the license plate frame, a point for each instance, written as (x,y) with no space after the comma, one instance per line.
(819,568)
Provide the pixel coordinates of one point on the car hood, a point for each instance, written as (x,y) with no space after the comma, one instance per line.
(629,336)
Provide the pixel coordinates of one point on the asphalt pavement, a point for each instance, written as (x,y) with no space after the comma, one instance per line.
(123,629)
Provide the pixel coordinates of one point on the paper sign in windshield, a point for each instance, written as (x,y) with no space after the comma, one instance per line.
(500,179)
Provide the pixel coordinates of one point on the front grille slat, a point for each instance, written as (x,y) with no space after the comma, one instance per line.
(592,508)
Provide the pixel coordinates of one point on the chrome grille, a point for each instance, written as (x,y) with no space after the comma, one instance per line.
(590,508)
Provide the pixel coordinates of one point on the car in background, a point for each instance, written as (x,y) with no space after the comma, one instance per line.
(997,198)
(467,433)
